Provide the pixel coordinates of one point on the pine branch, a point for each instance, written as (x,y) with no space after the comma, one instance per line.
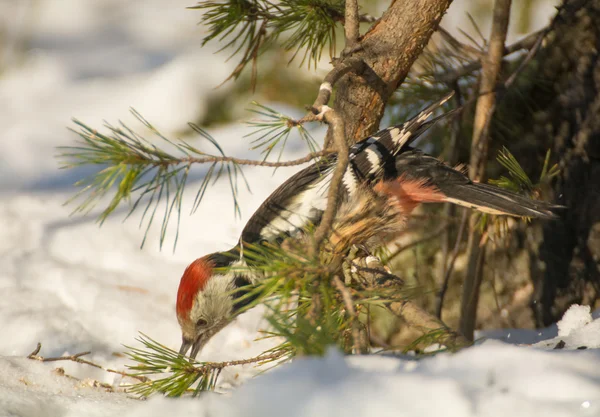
(275,129)
(289,274)
(250,27)
(132,166)
(155,359)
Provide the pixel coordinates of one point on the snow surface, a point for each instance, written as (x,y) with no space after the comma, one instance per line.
(75,287)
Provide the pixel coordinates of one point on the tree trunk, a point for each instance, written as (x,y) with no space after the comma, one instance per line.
(565,266)
(389,49)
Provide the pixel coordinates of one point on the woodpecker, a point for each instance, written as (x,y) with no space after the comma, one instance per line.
(382,166)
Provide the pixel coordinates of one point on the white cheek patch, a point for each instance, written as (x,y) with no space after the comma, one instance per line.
(214,302)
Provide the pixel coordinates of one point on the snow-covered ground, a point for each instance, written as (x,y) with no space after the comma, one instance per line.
(75,287)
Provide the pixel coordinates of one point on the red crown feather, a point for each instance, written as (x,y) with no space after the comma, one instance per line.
(194,279)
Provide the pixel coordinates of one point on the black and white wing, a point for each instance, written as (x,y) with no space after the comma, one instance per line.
(302,199)
(297,202)
(373,158)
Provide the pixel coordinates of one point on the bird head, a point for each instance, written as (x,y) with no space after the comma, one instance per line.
(205,300)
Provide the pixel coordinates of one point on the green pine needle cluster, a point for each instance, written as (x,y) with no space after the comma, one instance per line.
(152,173)
(306,312)
(131,165)
(178,373)
(274,130)
(249,27)
(518,180)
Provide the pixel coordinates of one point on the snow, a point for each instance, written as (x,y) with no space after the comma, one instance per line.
(76,287)
(574,319)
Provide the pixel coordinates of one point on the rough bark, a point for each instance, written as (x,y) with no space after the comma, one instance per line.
(389,49)
(568,267)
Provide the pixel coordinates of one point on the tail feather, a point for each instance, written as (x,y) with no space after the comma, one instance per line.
(495,200)
(394,138)
(457,188)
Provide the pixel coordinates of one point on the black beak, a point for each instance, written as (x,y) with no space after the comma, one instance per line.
(196,346)
(185,346)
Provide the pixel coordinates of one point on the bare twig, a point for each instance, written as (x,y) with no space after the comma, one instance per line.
(321,111)
(336,123)
(532,51)
(450,268)
(326,88)
(486,104)
(357,346)
(239,161)
(450,209)
(257,359)
(77,358)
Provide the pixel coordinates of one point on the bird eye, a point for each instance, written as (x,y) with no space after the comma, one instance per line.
(201,323)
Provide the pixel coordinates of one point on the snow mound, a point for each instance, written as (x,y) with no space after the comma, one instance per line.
(574,319)
(576,330)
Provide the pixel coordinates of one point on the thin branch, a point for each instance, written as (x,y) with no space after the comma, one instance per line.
(94,383)
(450,268)
(321,111)
(326,88)
(357,346)
(486,104)
(450,209)
(251,162)
(532,51)
(336,123)
(77,358)
(257,359)
(351,23)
